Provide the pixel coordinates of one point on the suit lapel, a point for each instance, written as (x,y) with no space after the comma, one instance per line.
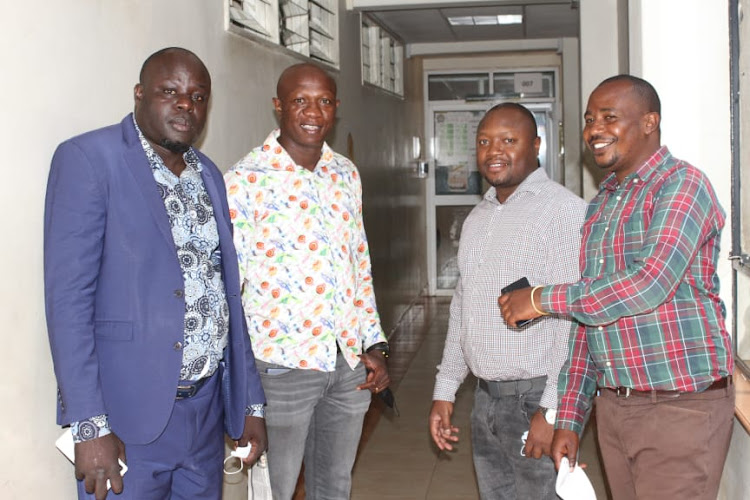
(144,178)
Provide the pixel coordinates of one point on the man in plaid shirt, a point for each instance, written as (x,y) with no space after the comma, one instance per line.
(652,336)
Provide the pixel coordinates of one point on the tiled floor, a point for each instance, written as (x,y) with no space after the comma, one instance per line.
(397,459)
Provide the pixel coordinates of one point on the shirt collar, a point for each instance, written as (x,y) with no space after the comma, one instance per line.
(531,184)
(191,158)
(271,146)
(643,173)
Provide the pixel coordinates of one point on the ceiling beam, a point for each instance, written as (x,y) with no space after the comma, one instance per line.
(375,5)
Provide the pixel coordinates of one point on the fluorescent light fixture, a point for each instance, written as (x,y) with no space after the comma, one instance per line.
(461,21)
(510,19)
(485,20)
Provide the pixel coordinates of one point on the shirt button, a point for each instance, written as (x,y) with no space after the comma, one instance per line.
(609,363)
(600,328)
(177,346)
(601,261)
(178,293)
(619,198)
(635,181)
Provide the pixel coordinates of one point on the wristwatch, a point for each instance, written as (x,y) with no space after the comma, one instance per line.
(548,414)
(382,347)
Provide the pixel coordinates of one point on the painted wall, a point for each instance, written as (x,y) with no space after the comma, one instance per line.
(69,67)
(603,29)
(695,125)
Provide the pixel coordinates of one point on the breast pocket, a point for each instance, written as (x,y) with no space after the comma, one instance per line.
(113,330)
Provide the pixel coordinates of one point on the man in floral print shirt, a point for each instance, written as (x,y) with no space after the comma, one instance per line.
(296,206)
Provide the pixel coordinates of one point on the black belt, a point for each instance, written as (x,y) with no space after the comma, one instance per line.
(626,392)
(504,388)
(189,389)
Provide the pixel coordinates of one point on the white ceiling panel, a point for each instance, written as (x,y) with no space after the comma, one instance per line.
(429,24)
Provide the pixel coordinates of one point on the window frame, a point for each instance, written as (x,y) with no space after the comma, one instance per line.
(739,255)
(303,28)
(381,57)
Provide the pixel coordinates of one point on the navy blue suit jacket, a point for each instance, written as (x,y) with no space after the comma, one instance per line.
(114,289)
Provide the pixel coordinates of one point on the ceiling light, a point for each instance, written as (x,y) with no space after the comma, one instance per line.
(510,19)
(485,20)
(461,21)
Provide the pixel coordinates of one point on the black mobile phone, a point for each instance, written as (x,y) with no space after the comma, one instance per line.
(516,285)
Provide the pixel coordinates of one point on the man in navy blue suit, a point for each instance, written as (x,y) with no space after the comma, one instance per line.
(148,339)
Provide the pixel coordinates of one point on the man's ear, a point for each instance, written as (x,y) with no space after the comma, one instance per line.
(277,105)
(651,122)
(138,92)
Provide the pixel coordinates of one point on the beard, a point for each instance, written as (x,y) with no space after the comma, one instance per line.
(174,146)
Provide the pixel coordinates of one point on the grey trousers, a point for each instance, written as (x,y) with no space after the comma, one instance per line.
(497,425)
(317,416)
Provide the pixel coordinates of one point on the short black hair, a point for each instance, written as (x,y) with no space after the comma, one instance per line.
(156,55)
(642,88)
(512,105)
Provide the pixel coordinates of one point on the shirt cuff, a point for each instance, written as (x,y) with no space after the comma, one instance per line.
(256,410)
(445,390)
(91,428)
(569,418)
(554,299)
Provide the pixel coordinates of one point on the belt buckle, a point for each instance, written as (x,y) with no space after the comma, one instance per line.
(623,392)
(188,391)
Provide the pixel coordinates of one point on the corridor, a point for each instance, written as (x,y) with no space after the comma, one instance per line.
(397,459)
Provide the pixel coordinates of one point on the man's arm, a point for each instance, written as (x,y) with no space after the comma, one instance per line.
(254,430)
(577,384)
(684,215)
(364,300)
(452,371)
(74,225)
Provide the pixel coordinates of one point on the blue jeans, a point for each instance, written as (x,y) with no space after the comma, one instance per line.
(497,425)
(317,416)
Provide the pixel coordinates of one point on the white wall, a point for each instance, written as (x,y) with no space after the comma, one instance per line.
(69,67)
(602,38)
(684,53)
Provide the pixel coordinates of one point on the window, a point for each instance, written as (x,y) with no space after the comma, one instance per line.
(382,58)
(307,27)
(492,86)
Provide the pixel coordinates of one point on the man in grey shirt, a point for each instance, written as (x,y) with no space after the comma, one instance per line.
(526,226)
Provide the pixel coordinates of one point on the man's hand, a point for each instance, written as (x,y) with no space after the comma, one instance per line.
(96,462)
(539,441)
(516,305)
(441,430)
(565,444)
(255,434)
(377,371)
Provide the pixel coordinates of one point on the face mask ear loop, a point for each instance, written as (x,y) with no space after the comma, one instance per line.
(230,472)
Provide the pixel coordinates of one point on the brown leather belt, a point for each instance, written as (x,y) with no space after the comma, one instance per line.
(626,392)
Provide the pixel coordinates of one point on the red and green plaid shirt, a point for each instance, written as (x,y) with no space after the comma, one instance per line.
(648,302)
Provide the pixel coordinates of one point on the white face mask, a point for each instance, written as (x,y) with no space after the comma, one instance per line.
(239,454)
(573,485)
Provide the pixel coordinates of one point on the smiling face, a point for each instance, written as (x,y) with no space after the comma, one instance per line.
(171,102)
(306,105)
(507,149)
(619,129)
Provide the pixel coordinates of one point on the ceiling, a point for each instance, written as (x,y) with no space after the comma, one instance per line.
(425,21)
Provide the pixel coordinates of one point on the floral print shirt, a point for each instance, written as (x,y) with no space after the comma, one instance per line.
(303,257)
